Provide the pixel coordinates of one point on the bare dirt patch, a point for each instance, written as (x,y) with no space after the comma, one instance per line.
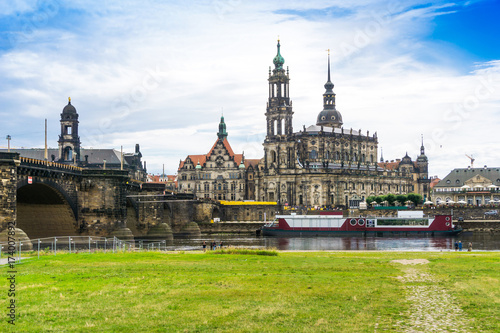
(411,262)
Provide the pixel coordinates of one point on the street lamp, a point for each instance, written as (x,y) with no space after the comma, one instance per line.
(8,142)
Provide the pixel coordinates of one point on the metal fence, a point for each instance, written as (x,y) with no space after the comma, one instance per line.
(78,244)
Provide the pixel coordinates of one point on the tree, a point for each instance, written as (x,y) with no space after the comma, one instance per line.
(370,199)
(401,198)
(379,199)
(390,198)
(415,198)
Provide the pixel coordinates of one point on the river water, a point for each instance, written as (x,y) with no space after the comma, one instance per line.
(480,241)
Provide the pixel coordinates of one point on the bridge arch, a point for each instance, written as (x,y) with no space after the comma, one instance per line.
(44,211)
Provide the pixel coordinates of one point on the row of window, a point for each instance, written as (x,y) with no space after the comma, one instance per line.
(388,187)
(215,187)
(220,196)
(204,176)
(341,156)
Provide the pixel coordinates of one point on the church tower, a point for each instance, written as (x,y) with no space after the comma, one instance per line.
(329,116)
(69,141)
(279,107)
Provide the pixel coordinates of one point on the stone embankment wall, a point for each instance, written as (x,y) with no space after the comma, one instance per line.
(480,226)
(231,227)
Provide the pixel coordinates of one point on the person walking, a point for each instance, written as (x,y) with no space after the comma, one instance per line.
(456,246)
(469,249)
(204,246)
(459,245)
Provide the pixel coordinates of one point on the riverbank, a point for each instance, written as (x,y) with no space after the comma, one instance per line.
(291,292)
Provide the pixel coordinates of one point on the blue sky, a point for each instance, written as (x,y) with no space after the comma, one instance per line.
(158,73)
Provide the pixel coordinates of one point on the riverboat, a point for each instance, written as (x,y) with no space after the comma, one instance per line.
(407,223)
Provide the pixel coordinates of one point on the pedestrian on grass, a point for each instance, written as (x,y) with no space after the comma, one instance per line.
(470,247)
(459,245)
(204,246)
(221,244)
(456,245)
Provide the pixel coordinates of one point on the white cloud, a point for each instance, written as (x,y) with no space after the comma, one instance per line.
(158,74)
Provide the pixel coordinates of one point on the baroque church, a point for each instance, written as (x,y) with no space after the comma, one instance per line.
(320,165)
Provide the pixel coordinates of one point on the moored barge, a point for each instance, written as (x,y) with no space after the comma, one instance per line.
(407,223)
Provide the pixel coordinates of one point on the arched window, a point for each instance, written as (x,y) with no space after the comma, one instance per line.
(68,154)
(273,156)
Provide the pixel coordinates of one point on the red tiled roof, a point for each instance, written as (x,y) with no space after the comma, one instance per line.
(226,145)
(388,165)
(156,179)
(251,162)
(203,158)
(238,158)
(434,182)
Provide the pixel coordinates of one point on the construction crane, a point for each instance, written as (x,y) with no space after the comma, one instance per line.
(472,159)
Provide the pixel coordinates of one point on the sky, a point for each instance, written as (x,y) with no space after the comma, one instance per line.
(161,73)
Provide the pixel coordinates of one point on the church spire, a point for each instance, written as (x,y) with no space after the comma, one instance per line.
(422,158)
(222,129)
(422,148)
(329,116)
(329,84)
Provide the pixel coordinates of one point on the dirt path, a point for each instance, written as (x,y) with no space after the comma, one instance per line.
(432,309)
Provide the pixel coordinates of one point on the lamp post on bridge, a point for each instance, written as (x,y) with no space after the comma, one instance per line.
(8,142)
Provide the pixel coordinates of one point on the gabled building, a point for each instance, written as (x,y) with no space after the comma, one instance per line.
(219,174)
(472,186)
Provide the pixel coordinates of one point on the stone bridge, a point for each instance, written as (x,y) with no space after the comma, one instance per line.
(47,199)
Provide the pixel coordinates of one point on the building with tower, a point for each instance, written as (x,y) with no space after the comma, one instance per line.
(70,150)
(324,164)
(69,141)
(320,165)
(220,174)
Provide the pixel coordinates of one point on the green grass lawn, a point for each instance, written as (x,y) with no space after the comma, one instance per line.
(205,292)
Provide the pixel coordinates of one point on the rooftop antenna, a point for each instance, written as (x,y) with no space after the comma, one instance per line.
(472,159)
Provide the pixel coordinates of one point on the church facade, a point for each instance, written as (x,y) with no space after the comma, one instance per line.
(325,163)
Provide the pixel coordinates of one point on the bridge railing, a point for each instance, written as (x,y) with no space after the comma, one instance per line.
(35,162)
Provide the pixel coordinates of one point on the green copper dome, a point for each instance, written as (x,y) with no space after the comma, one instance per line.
(278,60)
